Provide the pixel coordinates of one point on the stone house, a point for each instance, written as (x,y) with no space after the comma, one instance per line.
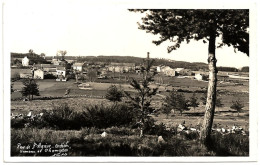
(38,74)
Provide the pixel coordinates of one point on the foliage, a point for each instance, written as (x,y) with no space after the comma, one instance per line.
(63,117)
(114,94)
(122,141)
(34,58)
(31,88)
(245,69)
(141,102)
(61,53)
(229,145)
(237,105)
(219,102)
(101,116)
(178,25)
(176,101)
(194,101)
(92,75)
(227,69)
(166,110)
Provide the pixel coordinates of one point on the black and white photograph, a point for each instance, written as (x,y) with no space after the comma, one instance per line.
(122,81)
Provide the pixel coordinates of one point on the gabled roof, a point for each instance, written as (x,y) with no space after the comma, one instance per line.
(78,64)
(45,65)
(178,69)
(61,68)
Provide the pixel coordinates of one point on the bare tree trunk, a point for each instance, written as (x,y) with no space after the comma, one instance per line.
(211,95)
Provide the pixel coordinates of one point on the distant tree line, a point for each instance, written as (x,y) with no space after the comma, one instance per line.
(137,60)
(33,57)
(232,69)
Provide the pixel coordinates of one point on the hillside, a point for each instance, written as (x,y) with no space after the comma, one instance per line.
(137,61)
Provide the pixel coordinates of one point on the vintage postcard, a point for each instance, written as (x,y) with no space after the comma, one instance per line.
(129,81)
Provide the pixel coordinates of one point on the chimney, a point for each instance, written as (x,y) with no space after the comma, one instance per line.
(148,55)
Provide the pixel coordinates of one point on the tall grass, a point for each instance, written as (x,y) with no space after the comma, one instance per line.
(63,117)
(122,141)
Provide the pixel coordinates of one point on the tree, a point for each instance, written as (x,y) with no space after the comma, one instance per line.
(181,103)
(166,110)
(141,102)
(176,101)
(219,102)
(31,52)
(31,88)
(61,53)
(204,98)
(179,25)
(194,101)
(114,94)
(42,55)
(237,105)
(92,75)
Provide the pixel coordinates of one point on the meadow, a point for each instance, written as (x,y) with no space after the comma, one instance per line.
(84,134)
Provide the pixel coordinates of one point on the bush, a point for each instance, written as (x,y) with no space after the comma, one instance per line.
(49,76)
(101,116)
(229,145)
(62,117)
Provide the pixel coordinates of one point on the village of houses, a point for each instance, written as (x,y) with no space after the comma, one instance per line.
(82,72)
(58,69)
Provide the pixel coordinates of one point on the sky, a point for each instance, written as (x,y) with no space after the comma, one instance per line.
(93,28)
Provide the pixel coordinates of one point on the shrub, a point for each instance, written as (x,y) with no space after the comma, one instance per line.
(229,145)
(63,117)
(101,116)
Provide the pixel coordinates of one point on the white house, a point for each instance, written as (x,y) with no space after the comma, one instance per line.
(178,70)
(78,66)
(38,74)
(61,71)
(200,76)
(170,72)
(158,69)
(25,61)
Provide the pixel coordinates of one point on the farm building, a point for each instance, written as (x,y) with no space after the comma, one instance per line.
(186,72)
(103,72)
(170,72)
(25,61)
(38,74)
(61,71)
(70,61)
(158,69)
(200,77)
(121,67)
(61,74)
(45,67)
(164,68)
(55,61)
(178,70)
(78,66)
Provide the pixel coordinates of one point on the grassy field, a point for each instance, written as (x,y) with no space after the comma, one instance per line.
(228,92)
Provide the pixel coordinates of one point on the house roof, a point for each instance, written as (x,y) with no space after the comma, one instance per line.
(122,64)
(178,69)
(78,64)
(46,65)
(25,71)
(61,68)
